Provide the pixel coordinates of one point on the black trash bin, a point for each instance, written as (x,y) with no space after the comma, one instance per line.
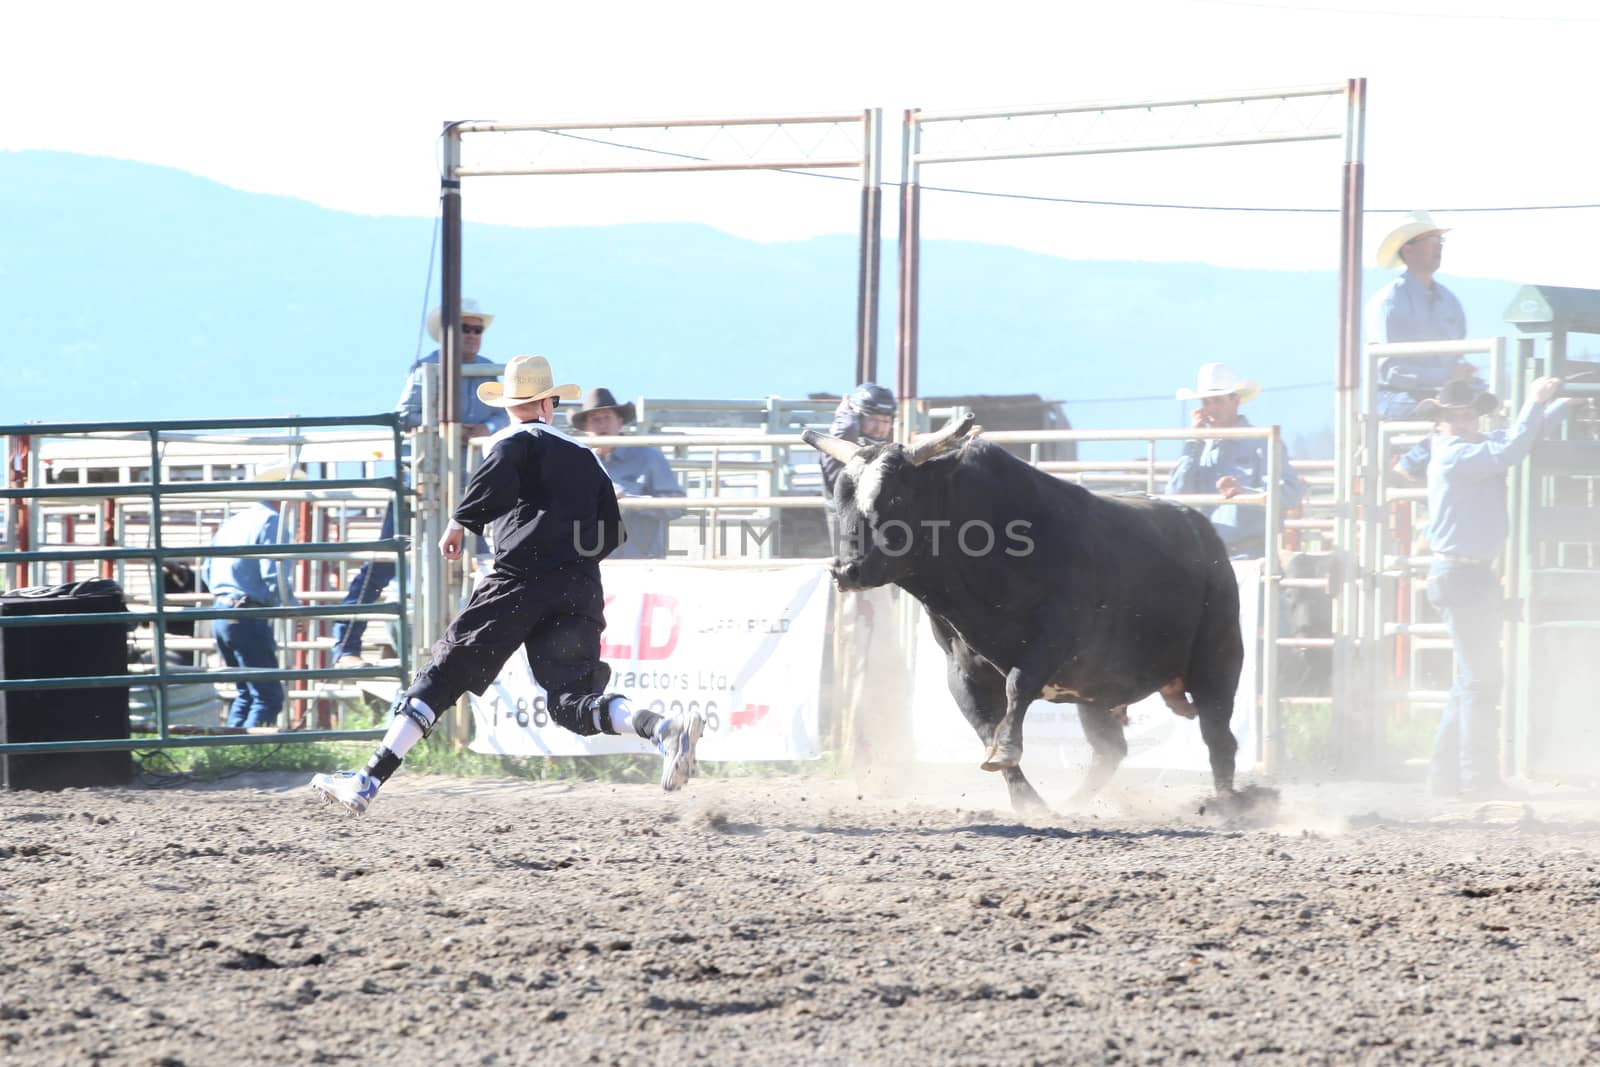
(92,649)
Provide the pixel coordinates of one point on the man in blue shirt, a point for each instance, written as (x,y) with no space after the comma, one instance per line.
(251,582)
(1414,307)
(477,420)
(1231,466)
(1467,527)
(635,471)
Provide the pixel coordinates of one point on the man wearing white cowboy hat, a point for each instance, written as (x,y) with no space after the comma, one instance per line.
(1467,528)
(477,420)
(252,582)
(1230,466)
(553,515)
(1414,307)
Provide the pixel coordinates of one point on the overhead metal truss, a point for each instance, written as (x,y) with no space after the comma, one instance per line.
(1253,117)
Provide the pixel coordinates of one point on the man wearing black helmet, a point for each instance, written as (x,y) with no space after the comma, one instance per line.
(865,417)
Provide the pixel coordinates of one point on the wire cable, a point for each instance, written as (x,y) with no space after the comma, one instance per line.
(427,285)
(1168,396)
(1296,9)
(1039,197)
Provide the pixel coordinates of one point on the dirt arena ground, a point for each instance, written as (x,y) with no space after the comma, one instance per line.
(774,921)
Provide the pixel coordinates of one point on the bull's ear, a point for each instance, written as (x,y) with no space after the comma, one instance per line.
(933,444)
(838,448)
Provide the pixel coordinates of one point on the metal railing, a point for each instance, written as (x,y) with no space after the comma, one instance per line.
(29,560)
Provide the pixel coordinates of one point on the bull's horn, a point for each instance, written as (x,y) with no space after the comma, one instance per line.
(840,449)
(933,444)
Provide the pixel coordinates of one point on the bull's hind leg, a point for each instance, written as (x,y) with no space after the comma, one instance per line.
(1213,682)
(1104,732)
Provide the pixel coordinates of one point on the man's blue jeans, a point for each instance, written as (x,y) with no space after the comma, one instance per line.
(1468,598)
(369,582)
(249,643)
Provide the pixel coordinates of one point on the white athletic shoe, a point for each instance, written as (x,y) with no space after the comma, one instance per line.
(676,739)
(352,790)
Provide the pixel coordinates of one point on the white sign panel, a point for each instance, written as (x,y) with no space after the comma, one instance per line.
(743,647)
(1051,734)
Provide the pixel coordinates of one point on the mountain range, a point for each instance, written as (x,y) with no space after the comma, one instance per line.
(139,292)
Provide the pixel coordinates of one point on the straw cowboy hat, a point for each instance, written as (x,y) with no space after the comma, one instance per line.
(1456,396)
(279,472)
(1218,379)
(527,378)
(469,309)
(1417,224)
(600,399)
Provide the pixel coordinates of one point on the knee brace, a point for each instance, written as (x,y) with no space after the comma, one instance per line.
(413,709)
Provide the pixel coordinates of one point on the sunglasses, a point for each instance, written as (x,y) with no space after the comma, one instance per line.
(472,329)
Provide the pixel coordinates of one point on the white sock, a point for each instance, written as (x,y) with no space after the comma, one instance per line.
(621,716)
(404,732)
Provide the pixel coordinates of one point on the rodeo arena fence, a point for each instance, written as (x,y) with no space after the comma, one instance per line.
(742,619)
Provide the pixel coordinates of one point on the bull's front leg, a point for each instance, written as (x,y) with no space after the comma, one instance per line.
(1023,686)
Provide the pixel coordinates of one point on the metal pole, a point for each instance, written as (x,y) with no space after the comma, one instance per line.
(909,251)
(298,629)
(18,515)
(1271,731)
(158,591)
(450,350)
(1343,585)
(108,534)
(870,270)
(450,278)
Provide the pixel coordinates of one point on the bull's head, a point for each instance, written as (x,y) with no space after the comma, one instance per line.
(874,500)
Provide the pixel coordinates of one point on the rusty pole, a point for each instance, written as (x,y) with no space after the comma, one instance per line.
(1348,707)
(297,627)
(869,270)
(20,450)
(108,534)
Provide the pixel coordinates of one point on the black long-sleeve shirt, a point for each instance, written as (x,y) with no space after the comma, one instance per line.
(545,500)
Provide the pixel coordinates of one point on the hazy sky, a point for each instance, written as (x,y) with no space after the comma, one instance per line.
(1472,103)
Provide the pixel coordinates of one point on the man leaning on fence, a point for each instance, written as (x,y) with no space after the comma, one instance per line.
(1466,532)
(478,420)
(635,470)
(1230,466)
(251,582)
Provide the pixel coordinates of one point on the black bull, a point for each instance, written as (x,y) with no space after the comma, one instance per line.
(1037,588)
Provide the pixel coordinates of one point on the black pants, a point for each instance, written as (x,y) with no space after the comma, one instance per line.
(558,617)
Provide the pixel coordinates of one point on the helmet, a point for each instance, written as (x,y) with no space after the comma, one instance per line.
(870,399)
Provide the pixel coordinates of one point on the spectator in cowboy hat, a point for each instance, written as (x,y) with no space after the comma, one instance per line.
(1467,528)
(477,420)
(635,470)
(1230,466)
(1414,307)
(252,582)
(554,516)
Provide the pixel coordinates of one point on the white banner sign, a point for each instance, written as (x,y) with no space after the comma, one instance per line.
(743,647)
(1051,733)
